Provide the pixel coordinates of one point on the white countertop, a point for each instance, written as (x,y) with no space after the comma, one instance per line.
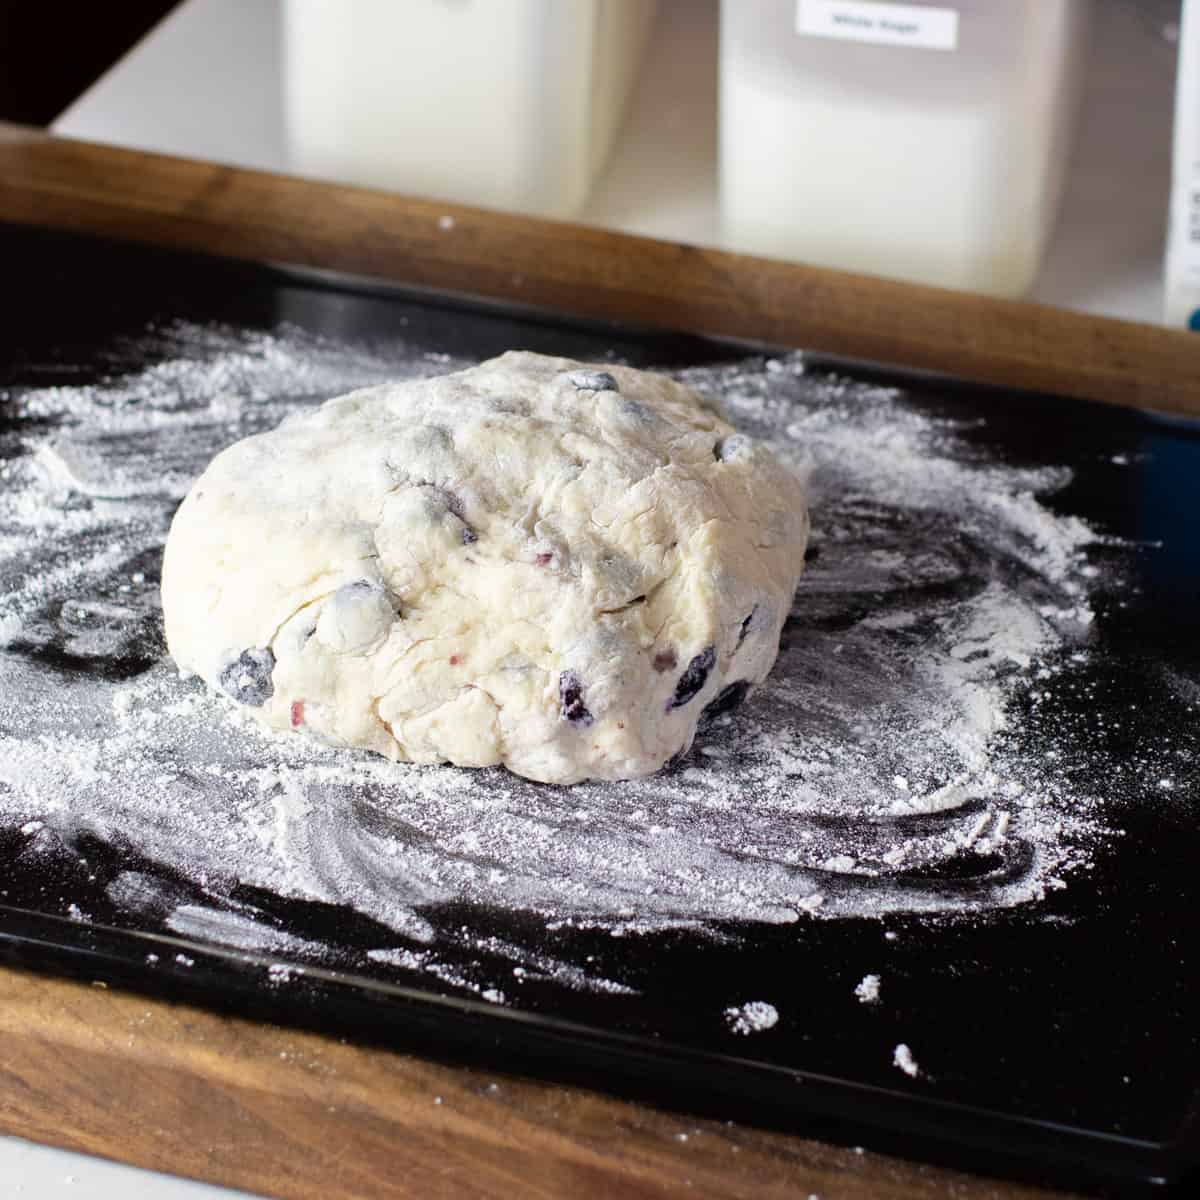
(175,93)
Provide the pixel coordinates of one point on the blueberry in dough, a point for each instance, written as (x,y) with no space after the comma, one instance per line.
(247,678)
(747,625)
(446,501)
(727,449)
(570,697)
(355,617)
(593,381)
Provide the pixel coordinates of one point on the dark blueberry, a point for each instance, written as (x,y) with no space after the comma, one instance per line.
(746,625)
(570,697)
(730,447)
(248,677)
(593,381)
(727,699)
(454,506)
(350,595)
(694,677)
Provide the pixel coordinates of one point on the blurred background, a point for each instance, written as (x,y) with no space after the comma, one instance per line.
(1022,148)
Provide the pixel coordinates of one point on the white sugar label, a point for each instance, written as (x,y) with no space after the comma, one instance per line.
(912,25)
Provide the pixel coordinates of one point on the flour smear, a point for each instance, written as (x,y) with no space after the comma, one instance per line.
(882,769)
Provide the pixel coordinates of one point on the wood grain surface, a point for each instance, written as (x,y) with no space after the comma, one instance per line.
(590,272)
(300,1116)
(304,1117)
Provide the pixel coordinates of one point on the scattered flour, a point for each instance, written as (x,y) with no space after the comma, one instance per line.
(902,1057)
(883,768)
(752,1017)
(429,963)
(205,924)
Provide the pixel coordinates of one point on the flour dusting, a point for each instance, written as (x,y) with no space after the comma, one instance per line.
(885,767)
(755,1016)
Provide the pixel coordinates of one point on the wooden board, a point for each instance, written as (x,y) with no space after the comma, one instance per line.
(298,1115)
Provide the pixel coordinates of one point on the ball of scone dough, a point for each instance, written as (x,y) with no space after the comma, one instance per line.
(539,563)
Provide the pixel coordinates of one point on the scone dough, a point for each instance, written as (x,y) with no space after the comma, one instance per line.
(545,564)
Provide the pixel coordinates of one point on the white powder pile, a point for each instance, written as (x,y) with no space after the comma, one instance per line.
(882,769)
(867,990)
(752,1017)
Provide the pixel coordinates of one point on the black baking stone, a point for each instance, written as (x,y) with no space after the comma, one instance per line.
(1058,1042)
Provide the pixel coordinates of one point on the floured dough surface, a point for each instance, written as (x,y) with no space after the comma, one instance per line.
(549,565)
